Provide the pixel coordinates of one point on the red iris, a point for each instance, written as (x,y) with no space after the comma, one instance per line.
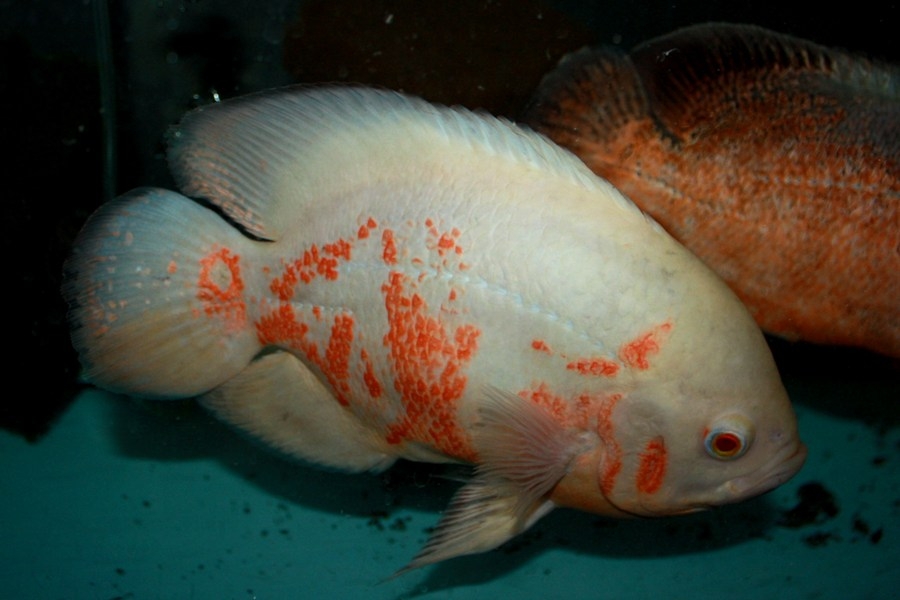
(726,444)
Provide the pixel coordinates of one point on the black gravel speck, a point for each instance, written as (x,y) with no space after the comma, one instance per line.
(816,505)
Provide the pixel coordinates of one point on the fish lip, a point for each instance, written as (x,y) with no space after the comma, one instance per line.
(786,464)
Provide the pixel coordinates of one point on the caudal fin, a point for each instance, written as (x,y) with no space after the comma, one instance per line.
(156,296)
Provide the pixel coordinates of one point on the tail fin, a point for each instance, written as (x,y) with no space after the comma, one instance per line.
(156,296)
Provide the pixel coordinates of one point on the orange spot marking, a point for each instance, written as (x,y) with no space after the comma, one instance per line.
(390,247)
(612,465)
(372,383)
(579,412)
(652,469)
(220,288)
(283,328)
(429,370)
(172,268)
(586,407)
(366,228)
(636,353)
(339,249)
(336,365)
(314,262)
(597,367)
(554,404)
(541,346)
(443,242)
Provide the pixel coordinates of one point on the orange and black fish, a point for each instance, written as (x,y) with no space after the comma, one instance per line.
(775,160)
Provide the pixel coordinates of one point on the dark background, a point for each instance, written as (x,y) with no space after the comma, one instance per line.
(165,57)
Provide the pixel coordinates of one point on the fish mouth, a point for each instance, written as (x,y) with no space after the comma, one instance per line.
(782,467)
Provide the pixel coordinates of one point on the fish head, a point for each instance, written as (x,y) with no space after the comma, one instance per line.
(699,452)
(708,422)
(713,424)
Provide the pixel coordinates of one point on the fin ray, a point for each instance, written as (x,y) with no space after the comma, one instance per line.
(524,453)
(267,159)
(692,69)
(138,320)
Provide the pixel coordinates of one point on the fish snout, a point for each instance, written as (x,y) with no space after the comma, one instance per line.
(784,465)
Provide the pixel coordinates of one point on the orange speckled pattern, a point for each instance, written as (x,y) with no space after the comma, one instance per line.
(372,383)
(607,432)
(652,469)
(336,362)
(313,263)
(634,354)
(390,248)
(594,366)
(425,357)
(776,161)
(366,228)
(594,411)
(220,288)
(584,412)
(541,346)
(287,329)
(428,366)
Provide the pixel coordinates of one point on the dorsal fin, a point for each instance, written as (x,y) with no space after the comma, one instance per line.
(710,67)
(267,158)
(593,93)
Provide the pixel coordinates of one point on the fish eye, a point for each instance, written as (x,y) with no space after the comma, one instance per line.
(729,438)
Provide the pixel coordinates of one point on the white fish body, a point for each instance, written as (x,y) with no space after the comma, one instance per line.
(427,283)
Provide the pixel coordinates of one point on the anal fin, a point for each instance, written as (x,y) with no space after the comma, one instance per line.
(278,400)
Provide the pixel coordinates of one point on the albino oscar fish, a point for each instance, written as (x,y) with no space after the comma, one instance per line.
(773,159)
(367,277)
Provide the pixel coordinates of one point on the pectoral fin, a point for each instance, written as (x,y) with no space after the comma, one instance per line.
(524,452)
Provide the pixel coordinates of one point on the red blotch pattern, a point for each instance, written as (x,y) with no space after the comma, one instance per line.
(636,353)
(427,358)
(583,412)
(598,367)
(652,468)
(372,383)
(366,228)
(220,288)
(541,346)
(429,370)
(389,254)
(313,263)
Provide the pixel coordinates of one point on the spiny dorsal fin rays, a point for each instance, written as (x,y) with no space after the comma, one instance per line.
(267,159)
(524,453)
